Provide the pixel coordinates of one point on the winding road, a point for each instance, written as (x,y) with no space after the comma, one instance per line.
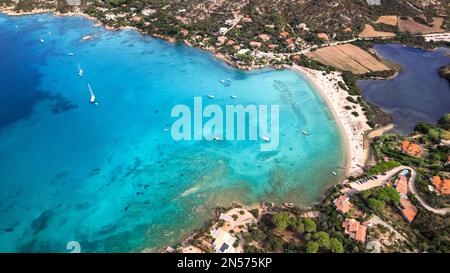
(412,188)
(383,178)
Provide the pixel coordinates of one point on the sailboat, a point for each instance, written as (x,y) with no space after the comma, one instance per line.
(305,132)
(92,100)
(80,71)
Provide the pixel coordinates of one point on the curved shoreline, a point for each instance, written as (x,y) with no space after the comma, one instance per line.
(335,99)
(311,76)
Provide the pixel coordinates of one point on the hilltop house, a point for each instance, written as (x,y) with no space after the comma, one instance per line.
(407,209)
(323,36)
(223,241)
(411,149)
(343,204)
(441,185)
(355,229)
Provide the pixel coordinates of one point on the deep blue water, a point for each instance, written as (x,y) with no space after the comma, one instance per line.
(110,176)
(418,93)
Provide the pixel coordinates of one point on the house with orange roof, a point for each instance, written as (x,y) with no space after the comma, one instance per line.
(441,185)
(402,185)
(409,211)
(255,44)
(446,187)
(355,229)
(412,149)
(264,37)
(347,30)
(343,204)
(323,36)
(284,34)
(247,19)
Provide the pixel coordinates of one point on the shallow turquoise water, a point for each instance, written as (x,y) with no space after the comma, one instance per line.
(109,176)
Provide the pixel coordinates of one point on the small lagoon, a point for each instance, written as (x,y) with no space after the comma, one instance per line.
(110,176)
(417,93)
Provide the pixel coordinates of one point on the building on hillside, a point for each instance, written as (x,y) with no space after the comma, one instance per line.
(355,229)
(441,185)
(323,36)
(409,211)
(402,186)
(343,204)
(284,34)
(223,241)
(412,149)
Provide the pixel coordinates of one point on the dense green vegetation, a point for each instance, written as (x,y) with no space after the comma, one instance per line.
(383,167)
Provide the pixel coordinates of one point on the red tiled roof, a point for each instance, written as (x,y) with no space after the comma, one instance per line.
(408,211)
(446,187)
(343,204)
(361,234)
(411,148)
(402,184)
(323,36)
(355,229)
(437,182)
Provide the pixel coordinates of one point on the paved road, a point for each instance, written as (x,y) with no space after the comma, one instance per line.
(383,178)
(379,181)
(412,189)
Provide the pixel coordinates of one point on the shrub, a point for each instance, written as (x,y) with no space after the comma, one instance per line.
(312,247)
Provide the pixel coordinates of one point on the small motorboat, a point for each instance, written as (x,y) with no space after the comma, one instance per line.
(42,40)
(80,71)
(91,92)
(266,139)
(222,81)
(211,96)
(233,97)
(70,54)
(305,132)
(334,173)
(217,138)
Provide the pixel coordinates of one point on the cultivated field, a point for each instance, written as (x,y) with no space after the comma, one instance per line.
(348,57)
(414,27)
(370,32)
(388,20)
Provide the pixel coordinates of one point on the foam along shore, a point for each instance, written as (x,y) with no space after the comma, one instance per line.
(353,128)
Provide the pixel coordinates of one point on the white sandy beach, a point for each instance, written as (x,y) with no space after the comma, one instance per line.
(353,128)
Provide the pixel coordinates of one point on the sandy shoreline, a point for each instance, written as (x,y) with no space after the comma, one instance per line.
(353,128)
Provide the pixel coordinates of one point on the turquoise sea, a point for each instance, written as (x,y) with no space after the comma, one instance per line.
(109,176)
